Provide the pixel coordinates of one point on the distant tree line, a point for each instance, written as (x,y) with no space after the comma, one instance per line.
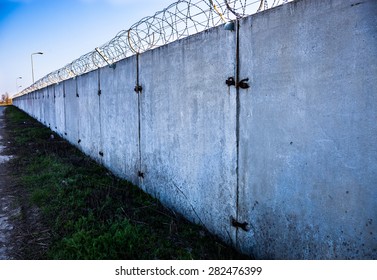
(5,99)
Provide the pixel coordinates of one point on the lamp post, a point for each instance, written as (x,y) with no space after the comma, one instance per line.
(32,66)
(19,78)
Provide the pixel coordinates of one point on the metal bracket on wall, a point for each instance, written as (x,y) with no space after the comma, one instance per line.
(241,84)
(230,82)
(138,89)
(244,226)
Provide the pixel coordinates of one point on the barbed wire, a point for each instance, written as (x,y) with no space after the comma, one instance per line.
(179,20)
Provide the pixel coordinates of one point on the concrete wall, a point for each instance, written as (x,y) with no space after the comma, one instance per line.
(294,156)
(59,110)
(71,106)
(119,120)
(308,158)
(188,122)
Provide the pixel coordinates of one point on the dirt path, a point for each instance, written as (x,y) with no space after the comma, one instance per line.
(8,205)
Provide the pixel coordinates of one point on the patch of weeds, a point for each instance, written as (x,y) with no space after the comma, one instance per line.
(90,213)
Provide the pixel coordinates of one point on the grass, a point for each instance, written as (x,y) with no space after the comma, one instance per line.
(91,214)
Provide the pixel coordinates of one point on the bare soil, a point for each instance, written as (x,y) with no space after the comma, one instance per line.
(22,234)
(8,208)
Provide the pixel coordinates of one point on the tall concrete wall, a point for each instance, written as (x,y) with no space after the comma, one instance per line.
(59,110)
(188,124)
(88,114)
(119,120)
(293,156)
(308,158)
(71,108)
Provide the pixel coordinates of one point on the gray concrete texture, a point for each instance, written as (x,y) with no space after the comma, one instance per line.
(308,156)
(188,128)
(71,105)
(59,126)
(119,119)
(88,114)
(294,156)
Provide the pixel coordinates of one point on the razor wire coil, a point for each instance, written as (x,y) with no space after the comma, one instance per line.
(179,20)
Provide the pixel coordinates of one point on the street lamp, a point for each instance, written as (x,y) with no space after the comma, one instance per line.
(32,66)
(19,78)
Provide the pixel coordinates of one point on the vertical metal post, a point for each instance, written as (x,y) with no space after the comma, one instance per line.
(32,65)
(32,69)
(19,78)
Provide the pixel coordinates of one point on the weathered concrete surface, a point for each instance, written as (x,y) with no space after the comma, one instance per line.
(59,126)
(50,107)
(45,111)
(308,155)
(72,113)
(41,113)
(306,176)
(188,124)
(119,119)
(89,114)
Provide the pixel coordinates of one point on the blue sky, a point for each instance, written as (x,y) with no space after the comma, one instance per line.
(63,30)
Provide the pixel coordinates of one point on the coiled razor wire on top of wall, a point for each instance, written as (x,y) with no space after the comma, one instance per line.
(180,19)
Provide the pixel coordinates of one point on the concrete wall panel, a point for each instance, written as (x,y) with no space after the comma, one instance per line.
(72,113)
(50,106)
(308,164)
(59,109)
(43,111)
(188,138)
(89,114)
(119,119)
